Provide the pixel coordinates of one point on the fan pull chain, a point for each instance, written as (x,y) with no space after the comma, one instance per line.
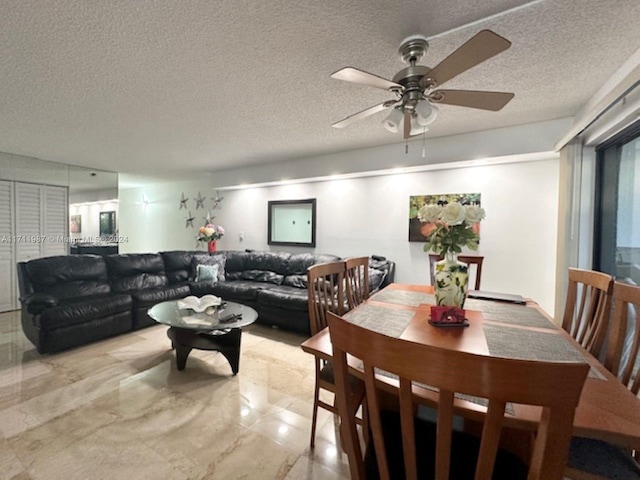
(406,147)
(424,147)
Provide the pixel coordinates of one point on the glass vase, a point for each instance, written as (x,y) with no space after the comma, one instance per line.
(452,280)
(211,246)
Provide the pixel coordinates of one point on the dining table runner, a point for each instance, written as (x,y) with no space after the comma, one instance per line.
(532,345)
(404,297)
(383,320)
(392,323)
(491,310)
(509,313)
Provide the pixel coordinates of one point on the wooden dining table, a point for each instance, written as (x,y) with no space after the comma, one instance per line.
(607,409)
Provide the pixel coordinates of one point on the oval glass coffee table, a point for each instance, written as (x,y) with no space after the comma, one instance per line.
(220,331)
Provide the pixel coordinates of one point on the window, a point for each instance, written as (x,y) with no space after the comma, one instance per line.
(617,223)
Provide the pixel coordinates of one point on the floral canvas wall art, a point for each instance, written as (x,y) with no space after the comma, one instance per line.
(419,231)
(75,222)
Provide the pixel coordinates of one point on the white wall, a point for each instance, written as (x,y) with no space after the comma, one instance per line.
(33,170)
(93,195)
(499,142)
(363,216)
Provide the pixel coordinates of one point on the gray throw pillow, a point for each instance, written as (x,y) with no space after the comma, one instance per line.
(219,260)
(207,273)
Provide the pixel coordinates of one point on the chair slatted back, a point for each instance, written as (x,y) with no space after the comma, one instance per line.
(588,307)
(554,386)
(624,337)
(357,280)
(471,260)
(326,292)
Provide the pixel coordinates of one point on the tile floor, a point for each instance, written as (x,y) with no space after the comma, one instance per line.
(119,409)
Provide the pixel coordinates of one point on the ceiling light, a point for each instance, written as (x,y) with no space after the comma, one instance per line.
(426,112)
(392,122)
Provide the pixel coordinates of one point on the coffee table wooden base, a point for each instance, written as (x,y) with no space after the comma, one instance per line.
(184,340)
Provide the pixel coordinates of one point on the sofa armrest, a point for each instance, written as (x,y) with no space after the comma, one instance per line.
(387,266)
(37,302)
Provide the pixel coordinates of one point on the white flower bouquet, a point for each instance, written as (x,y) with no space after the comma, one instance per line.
(453,227)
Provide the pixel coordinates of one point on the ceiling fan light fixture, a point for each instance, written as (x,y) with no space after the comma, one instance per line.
(416,127)
(426,113)
(392,122)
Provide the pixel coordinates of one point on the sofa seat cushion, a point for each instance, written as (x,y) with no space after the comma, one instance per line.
(240,289)
(74,311)
(298,281)
(282,296)
(202,288)
(262,276)
(151,296)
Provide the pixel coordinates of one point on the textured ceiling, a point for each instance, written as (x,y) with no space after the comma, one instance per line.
(166,86)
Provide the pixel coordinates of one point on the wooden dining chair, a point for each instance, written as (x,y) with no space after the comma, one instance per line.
(357,280)
(407,447)
(587,308)
(326,294)
(624,336)
(471,260)
(591,459)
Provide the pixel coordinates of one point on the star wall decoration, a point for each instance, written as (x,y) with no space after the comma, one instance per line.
(216,200)
(200,201)
(183,202)
(189,220)
(209,218)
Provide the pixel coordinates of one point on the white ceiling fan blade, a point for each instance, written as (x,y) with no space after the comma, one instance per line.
(353,75)
(356,117)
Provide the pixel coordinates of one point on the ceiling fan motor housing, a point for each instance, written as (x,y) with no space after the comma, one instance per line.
(410,78)
(413,48)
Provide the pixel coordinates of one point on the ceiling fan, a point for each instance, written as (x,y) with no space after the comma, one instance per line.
(417,87)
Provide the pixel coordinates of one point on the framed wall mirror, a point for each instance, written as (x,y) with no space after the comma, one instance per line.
(292,222)
(107,224)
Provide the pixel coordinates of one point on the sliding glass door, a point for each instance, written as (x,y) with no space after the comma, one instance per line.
(617,223)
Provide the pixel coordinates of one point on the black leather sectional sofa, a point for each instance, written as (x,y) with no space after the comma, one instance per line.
(75,299)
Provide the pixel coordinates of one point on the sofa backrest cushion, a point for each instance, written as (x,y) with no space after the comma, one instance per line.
(300,262)
(235,260)
(67,276)
(177,265)
(136,271)
(277,262)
